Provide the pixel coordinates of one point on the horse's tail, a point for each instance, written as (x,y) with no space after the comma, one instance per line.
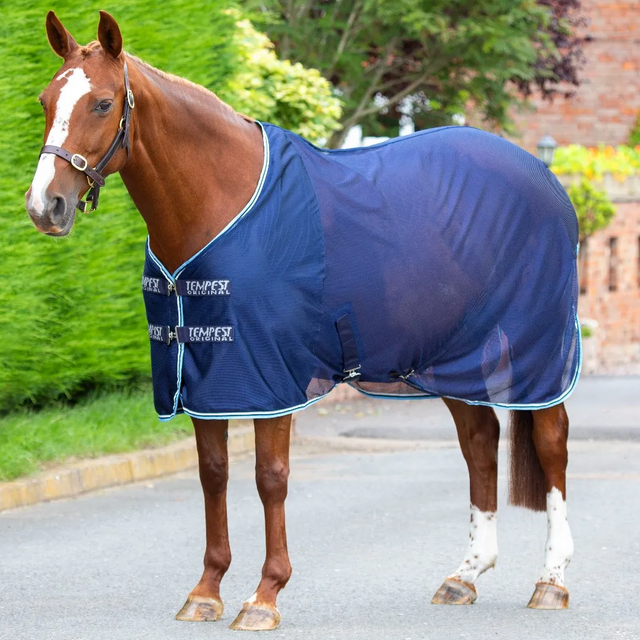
(526,478)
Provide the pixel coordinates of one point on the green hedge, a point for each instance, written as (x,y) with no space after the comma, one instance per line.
(72,312)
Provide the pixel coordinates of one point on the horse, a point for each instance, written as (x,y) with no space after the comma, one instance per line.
(190,163)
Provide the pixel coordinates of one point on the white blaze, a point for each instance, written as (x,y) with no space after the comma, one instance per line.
(559,548)
(77,84)
(482,550)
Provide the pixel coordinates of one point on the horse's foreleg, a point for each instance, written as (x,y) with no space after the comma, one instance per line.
(478,433)
(550,432)
(272,473)
(204,601)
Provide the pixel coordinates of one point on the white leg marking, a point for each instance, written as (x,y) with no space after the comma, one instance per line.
(76,86)
(559,548)
(482,551)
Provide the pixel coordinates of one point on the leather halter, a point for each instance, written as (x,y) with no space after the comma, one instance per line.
(79,162)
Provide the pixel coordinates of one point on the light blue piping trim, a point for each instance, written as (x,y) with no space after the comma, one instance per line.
(544,405)
(393,396)
(167,275)
(284,412)
(172,277)
(178,397)
(245,210)
(255,414)
(247,207)
(551,403)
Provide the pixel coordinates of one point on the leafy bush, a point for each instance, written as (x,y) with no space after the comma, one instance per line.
(275,90)
(593,163)
(72,313)
(634,134)
(593,207)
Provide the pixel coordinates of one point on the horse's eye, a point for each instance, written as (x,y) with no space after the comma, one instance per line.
(104,106)
(41,104)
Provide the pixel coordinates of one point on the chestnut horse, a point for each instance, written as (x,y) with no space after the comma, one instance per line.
(190,163)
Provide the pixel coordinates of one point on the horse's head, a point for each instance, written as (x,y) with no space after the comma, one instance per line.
(83,106)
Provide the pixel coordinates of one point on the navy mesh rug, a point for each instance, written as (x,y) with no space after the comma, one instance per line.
(437,264)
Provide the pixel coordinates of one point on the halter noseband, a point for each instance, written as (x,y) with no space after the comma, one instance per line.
(79,162)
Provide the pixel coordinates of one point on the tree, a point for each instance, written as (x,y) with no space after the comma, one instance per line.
(432,57)
(278,91)
(593,207)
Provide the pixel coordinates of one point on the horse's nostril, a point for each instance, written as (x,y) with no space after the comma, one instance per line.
(57,209)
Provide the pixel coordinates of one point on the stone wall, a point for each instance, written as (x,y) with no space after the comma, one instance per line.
(606,105)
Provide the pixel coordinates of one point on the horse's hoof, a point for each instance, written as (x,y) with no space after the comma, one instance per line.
(256,617)
(549,596)
(455,591)
(201,609)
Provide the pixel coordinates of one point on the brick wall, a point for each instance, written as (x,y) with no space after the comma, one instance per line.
(616,341)
(606,105)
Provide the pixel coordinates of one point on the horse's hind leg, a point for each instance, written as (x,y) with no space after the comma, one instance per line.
(550,432)
(260,613)
(204,603)
(478,432)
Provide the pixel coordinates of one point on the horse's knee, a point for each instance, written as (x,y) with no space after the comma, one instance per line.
(271,478)
(214,474)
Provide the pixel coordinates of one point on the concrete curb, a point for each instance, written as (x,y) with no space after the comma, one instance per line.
(88,475)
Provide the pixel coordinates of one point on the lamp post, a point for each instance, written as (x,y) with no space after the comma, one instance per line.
(546,149)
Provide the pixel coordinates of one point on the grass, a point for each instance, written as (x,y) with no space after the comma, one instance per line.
(101,424)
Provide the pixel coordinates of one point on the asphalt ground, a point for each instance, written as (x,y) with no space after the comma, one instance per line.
(600,408)
(375,523)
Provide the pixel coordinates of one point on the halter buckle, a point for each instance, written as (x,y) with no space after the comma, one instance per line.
(74,162)
(130,99)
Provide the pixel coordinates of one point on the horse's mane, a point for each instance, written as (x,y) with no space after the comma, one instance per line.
(94,45)
(176,79)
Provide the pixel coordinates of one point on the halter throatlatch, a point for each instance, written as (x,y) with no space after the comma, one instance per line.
(79,162)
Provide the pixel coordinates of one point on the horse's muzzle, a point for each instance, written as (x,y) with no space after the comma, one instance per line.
(55,219)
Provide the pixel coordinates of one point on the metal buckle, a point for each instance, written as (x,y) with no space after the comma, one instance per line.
(130,99)
(351,374)
(74,158)
(173,335)
(121,125)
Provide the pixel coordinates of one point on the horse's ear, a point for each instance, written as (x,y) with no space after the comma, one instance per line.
(109,34)
(60,39)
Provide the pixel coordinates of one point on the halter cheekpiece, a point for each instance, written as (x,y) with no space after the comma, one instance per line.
(79,162)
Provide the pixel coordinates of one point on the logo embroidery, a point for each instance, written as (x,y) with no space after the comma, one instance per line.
(154,285)
(210,334)
(206,287)
(156,333)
